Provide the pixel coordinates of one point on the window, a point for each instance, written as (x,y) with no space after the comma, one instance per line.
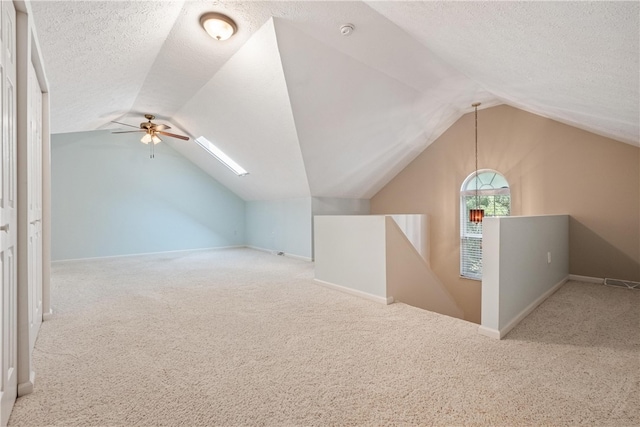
(221,156)
(494,197)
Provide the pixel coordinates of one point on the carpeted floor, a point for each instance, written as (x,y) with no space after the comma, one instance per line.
(240,337)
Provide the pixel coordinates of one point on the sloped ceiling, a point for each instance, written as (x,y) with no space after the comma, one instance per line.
(310,112)
(245,110)
(575,62)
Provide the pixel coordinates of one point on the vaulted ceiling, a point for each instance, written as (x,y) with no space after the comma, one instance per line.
(310,112)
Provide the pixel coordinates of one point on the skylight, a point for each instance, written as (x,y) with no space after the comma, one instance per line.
(221,156)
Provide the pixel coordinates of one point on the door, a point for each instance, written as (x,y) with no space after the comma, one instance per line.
(8,212)
(34,207)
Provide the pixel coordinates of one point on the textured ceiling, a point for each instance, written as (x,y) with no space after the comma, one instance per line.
(310,112)
(576,62)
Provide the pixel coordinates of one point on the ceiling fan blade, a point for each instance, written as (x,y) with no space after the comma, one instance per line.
(124,124)
(129,131)
(162,127)
(173,135)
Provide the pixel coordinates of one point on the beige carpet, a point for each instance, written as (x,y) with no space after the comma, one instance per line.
(240,337)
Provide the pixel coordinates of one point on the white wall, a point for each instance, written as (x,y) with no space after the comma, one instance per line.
(280,226)
(340,206)
(350,254)
(286,225)
(374,256)
(415,228)
(517,275)
(109,198)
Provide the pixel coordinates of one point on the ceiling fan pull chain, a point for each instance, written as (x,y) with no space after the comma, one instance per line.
(151,131)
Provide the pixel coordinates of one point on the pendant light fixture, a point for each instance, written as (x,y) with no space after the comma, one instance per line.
(476,215)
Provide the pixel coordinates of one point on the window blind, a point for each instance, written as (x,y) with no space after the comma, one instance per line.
(470,242)
(489,190)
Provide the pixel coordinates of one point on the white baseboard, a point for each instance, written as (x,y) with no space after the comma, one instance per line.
(300,257)
(366,295)
(274,252)
(258,248)
(488,332)
(587,279)
(499,334)
(47,316)
(148,253)
(27,387)
(303,258)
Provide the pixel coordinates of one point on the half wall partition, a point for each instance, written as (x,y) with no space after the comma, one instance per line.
(380,257)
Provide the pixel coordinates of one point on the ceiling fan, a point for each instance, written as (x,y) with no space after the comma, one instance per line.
(151,131)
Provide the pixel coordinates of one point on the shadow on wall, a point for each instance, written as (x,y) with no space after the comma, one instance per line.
(591,255)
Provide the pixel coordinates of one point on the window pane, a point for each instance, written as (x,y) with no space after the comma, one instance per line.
(489,183)
(500,182)
(487,180)
(471,185)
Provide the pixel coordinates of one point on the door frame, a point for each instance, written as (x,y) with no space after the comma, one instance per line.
(28,51)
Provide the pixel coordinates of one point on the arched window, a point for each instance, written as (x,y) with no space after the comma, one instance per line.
(494,197)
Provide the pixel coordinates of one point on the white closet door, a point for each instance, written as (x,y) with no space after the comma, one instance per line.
(34,206)
(8,208)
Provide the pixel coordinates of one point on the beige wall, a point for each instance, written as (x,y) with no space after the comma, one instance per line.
(552,168)
(409,278)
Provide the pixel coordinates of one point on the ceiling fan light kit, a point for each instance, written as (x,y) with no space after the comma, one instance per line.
(150,137)
(218,26)
(151,131)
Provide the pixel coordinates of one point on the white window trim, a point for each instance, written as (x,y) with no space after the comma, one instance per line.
(465,193)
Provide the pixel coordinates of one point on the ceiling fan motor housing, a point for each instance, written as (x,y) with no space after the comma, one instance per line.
(152,129)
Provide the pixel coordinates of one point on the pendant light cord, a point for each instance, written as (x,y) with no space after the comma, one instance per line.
(476,108)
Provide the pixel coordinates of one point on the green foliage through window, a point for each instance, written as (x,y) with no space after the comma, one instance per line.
(495,202)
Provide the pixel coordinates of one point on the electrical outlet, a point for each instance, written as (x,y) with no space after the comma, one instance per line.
(548,257)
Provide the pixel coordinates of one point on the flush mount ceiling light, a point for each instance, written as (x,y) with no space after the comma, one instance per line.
(218,26)
(476,214)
